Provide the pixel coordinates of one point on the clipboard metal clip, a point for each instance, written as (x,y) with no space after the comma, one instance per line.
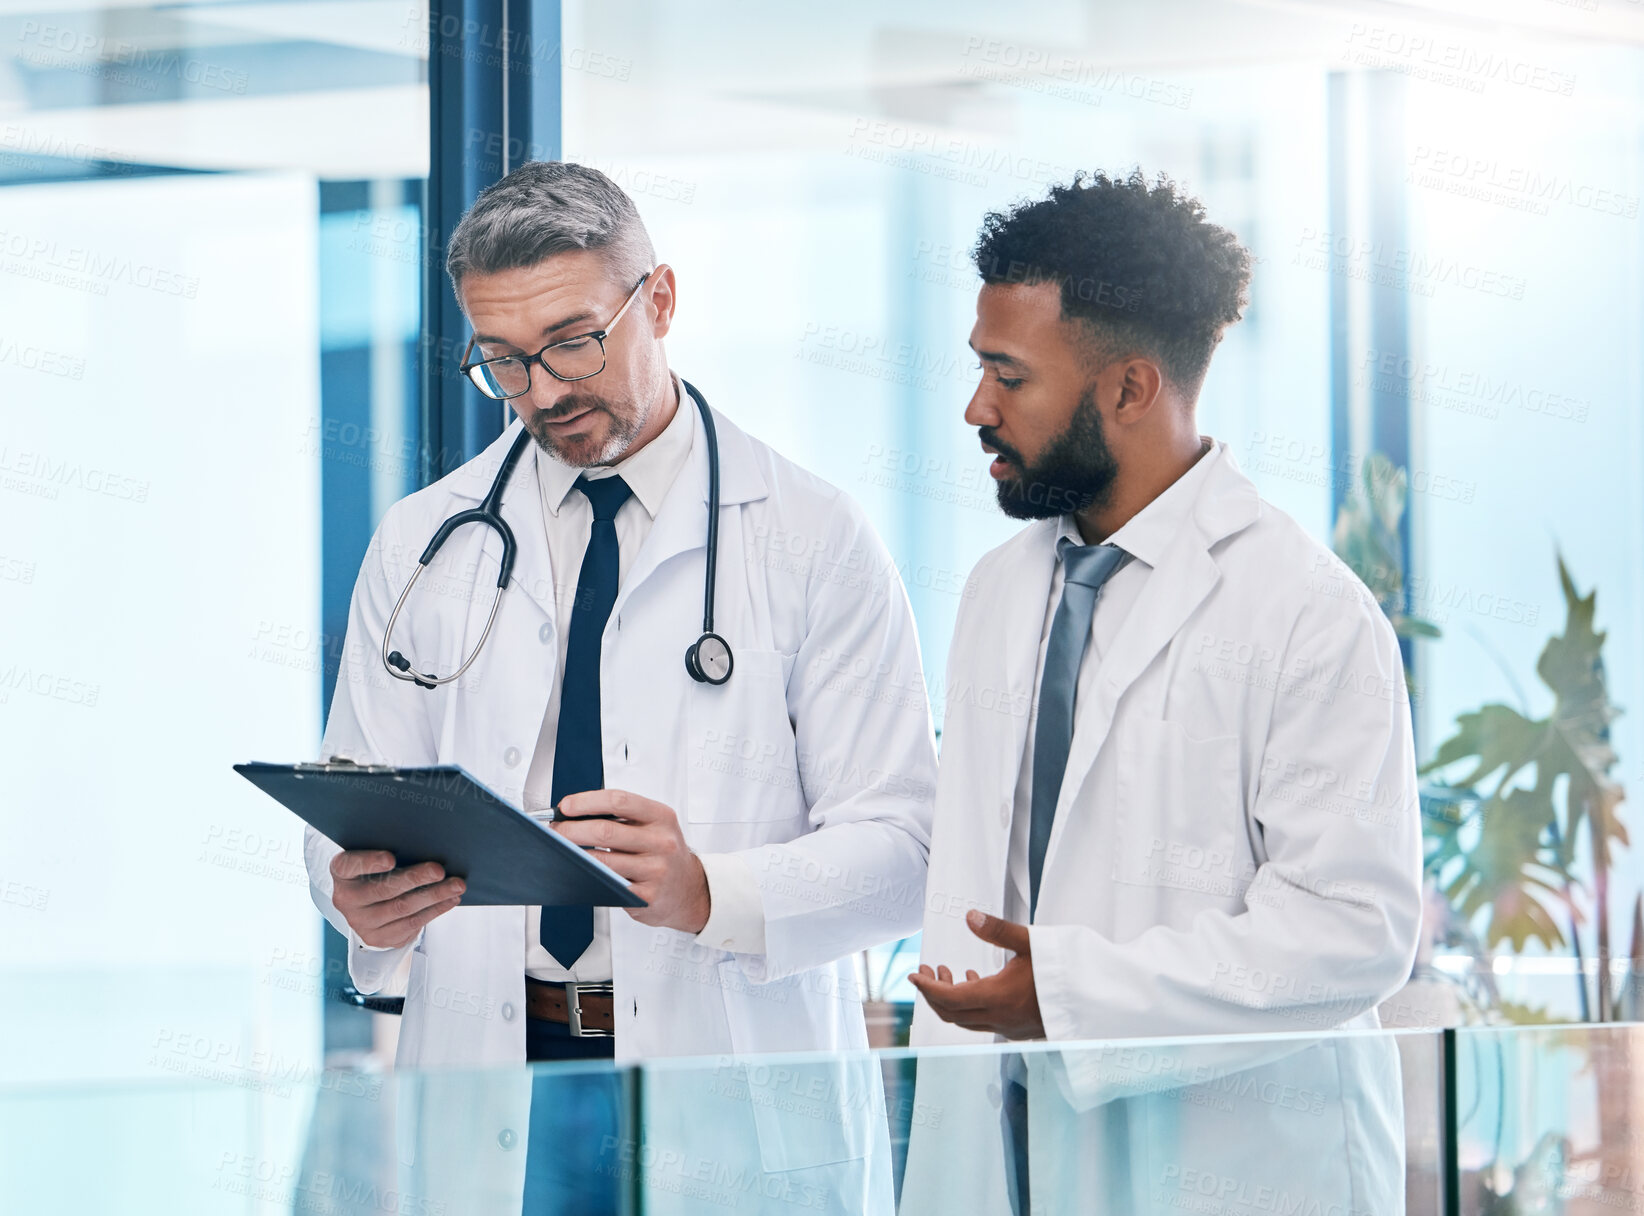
(341,764)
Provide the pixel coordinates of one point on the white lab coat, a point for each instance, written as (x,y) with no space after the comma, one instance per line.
(1254,866)
(796,764)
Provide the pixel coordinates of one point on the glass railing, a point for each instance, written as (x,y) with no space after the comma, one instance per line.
(1550,1119)
(1336,1123)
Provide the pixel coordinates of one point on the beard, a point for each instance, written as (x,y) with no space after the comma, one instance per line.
(584,451)
(1075,471)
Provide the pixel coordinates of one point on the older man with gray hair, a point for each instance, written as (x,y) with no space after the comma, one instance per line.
(771,809)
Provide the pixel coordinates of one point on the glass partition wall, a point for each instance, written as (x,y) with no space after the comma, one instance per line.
(209,310)
(1468,1122)
(1335,1123)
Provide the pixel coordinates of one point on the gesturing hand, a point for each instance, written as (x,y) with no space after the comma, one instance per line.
(645,845)
(1005,1003)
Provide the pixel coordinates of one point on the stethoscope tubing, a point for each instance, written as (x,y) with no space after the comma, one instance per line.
(713,505)
(489,514)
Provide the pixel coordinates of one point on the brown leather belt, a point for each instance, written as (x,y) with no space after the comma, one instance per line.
(588,1009)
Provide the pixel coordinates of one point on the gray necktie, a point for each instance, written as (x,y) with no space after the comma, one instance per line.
(1085,569)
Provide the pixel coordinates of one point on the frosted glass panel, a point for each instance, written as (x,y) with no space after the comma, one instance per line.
(177,342)
(164,546)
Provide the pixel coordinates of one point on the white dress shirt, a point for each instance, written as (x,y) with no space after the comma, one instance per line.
(1145,536)
(736,914)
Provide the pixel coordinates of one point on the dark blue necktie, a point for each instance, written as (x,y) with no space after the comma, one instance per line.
(1084,569)
(579,762)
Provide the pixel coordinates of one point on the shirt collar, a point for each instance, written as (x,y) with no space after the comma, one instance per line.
(1148,534)
(649,472)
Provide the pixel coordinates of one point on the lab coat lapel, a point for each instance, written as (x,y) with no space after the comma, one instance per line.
(1173,592)
(1024,589)
(988,703)
(988,708)
(521,510)
(681,523)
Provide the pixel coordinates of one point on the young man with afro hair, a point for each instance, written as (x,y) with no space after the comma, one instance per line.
(1178,788)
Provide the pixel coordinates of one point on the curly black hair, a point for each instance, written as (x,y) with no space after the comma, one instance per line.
(1138,263)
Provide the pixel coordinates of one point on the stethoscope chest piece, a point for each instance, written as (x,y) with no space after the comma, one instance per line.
(709,659)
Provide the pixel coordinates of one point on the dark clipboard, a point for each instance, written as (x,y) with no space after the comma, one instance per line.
(442,814)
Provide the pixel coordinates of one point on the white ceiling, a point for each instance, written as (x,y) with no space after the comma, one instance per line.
(770,64)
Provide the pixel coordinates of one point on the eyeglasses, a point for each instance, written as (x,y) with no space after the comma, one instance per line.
(571,359)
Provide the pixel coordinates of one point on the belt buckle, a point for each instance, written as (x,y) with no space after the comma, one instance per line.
(573,1008)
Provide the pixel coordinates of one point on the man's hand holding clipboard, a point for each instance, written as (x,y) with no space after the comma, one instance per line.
(386,906)
(418,842)
(638,838)
(641,840)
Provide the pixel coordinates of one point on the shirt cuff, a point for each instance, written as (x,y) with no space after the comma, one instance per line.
(373,967)
(356,946)
(356,943)
(736,918)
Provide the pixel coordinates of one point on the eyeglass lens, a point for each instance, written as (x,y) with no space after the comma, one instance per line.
(573,360)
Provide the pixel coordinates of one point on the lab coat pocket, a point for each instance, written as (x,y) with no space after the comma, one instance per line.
(741,761)
(806,1111)
(1180,812)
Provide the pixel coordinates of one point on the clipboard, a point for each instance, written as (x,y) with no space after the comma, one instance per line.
(443,814)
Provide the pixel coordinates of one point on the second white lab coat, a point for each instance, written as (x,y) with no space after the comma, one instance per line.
(797,764)
(1252,865)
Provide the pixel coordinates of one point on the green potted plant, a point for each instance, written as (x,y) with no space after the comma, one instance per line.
(1523,794)
(1534,790)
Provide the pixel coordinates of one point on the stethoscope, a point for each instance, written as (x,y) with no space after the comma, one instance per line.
(708,659)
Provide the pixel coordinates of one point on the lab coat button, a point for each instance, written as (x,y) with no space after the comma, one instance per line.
(545,634)
(995,1097)
(507,1012)
(511,757)
(506,1137)
(1004,814)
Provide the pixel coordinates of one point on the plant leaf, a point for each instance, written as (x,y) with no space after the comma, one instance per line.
(1519,869)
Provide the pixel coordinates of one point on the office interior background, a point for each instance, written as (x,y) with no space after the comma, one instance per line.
(227,345)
